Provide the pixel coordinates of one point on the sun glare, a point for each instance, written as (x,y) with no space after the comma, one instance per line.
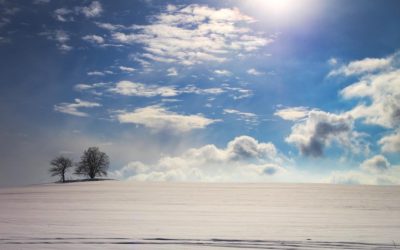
(278,10)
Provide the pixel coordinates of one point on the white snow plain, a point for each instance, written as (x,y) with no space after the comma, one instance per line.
(165,215)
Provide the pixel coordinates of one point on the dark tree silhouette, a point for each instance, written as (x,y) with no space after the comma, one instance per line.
(60,165)
(93,163)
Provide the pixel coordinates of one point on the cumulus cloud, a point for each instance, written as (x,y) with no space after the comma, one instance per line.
(320,129)
(292,113)
(391,143)
(94,39)
(191,35)
(383,91)
(72,108)
(376,164)
(93,10)
(254,72)
(366,65)
(243,159)
(374,171)
(159,118)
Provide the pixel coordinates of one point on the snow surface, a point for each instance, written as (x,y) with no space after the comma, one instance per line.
(146,215)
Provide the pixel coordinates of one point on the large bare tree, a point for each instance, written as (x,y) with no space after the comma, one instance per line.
(93,163)
(60,166)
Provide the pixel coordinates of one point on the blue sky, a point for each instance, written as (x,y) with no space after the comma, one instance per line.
(202,91)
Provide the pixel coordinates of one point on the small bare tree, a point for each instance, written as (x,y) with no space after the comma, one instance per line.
(93,163)
(60,166)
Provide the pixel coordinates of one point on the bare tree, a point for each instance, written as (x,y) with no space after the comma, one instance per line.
(60,166)
(93,163)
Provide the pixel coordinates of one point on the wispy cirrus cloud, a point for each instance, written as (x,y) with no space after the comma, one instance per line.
(159,118)
(247,117)
(191,35)
(73,108)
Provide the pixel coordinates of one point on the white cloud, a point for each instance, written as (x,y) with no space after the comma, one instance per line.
(293,114)
(391,143)
(320,129)
(245,116)
(94,39)
(72,108)
(383,89)
(93,10)
(376,164)
(158,118)
(138,89)
(366,65)
(127,69)
(63,15)
(172,72)
(109,26)
(254,72)
(67,15)
(193,34)
(243,159)
(61,37)
(95,73)
(91,88)
(222,72)
(129,88)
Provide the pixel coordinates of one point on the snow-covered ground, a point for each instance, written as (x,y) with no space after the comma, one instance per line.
(142,215)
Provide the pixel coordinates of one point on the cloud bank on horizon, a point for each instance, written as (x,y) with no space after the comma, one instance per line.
(202,91)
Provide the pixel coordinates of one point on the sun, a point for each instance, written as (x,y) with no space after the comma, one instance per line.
(279,10)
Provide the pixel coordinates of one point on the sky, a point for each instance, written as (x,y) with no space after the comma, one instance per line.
(221,91)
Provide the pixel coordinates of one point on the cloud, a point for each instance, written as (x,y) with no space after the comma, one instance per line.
(126,69)
(250,118)
(374,171)
(159,118)
(293,113)
(383,91)
(320,129)
(61,37)
(99,73)
(191,35)
(93,10)
(129,88)
(367,65)
(172,72)
(254,72)
(72,108)
(94,39)
(376,164)
(109,26)
(243,159)
(391,143)
(222,72)
(67,15)
(63,15)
